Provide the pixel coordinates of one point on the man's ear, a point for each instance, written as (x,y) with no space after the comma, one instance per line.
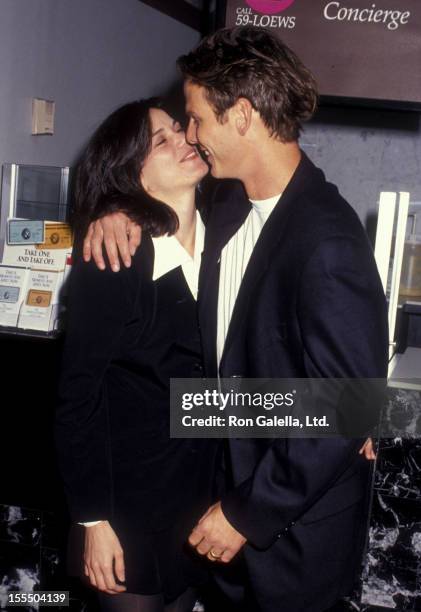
(243,115)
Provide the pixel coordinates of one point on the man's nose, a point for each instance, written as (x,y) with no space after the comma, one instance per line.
(191,135)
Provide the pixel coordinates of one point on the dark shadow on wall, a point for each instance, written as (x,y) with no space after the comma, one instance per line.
(368,118)
(371,227)
(173,98)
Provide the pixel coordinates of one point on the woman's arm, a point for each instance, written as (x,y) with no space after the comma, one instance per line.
(100,303)
(104,558)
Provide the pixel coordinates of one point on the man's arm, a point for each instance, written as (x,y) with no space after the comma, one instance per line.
(215,537)
(120,236)
(343,320)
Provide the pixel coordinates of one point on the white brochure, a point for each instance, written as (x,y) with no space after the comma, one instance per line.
(40,308)
(13,282)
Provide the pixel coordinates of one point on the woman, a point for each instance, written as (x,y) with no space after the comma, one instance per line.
(138,492)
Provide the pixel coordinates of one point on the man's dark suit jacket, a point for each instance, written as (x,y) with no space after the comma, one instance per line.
(310,305)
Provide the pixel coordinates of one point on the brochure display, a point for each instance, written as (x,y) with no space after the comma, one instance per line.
(32,274)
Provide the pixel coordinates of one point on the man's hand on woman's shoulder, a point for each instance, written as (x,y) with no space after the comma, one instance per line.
(118,234)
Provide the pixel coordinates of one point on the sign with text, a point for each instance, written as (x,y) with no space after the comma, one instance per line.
(359,49)
(277,408)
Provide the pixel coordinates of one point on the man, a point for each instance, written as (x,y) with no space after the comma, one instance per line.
(288,289)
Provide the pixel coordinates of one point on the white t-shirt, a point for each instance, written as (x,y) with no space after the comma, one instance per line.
(234,260)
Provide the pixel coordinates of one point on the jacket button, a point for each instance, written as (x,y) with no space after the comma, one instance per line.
(285,530)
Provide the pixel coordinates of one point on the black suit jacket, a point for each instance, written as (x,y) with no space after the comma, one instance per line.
(310,305)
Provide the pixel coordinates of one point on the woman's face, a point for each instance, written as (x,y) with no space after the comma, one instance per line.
(172,166)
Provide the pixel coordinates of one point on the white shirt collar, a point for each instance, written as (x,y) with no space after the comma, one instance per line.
(169,254)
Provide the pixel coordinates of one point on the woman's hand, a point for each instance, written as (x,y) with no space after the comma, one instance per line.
(367,450)
(104,558)
(119,235)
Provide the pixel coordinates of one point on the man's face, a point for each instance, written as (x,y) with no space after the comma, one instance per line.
(218,141)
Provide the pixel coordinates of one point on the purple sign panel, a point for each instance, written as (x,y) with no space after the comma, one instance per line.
(356,48)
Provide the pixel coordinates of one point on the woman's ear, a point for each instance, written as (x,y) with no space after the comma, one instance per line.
(243,115)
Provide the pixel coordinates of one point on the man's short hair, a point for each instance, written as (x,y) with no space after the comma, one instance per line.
(252,63)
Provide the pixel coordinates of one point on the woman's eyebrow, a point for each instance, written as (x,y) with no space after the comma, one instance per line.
(174,123)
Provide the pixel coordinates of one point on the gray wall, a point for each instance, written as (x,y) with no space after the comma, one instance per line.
(89,56)
(366,151)
(92,55)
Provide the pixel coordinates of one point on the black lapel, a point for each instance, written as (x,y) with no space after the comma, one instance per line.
(229,211)
(272,234)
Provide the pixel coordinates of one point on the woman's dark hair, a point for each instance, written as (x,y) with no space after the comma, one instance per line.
(108,173)
(253,63)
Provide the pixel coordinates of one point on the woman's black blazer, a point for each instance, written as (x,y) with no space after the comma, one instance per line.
(126,336)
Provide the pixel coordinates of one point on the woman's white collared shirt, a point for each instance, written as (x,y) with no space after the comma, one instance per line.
(170,253)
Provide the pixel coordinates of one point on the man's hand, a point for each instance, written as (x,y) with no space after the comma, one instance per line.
(215,537)
(102,550)
(119,235)
(367,450)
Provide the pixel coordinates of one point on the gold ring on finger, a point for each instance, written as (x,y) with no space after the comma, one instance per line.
(214,556)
